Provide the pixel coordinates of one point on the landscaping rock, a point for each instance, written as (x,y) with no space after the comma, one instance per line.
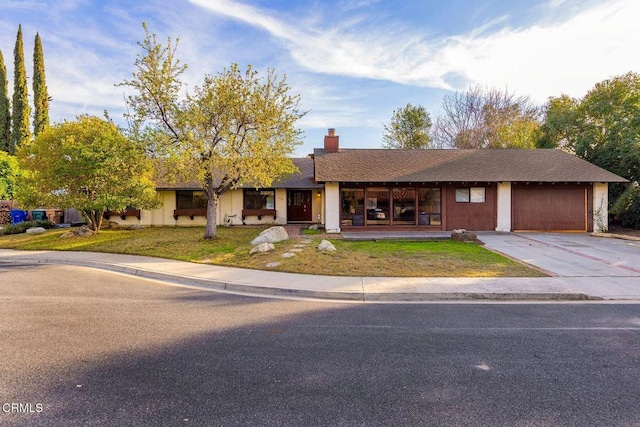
(288,255)
(262,248)
(272,264)
(111,225)
(36,230)
(464,236)
(136,227)
(313,227)
(79,232)
(271,235)
(83,231)
(327,246)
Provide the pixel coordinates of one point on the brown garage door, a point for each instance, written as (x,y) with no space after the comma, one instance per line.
(556,208)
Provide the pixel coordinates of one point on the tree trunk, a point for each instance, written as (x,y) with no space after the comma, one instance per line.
(94,219)
(212,216)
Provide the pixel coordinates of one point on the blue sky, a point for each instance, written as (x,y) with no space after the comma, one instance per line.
(352,61)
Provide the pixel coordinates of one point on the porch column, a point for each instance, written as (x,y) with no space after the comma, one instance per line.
(600,206)
(281,206)
(332,207)
(504,207)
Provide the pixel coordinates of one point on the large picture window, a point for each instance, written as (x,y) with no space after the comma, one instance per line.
(259,199)
(399,206)
(352,212)
(187,199)
(404,206)
(378,208)
(429,206)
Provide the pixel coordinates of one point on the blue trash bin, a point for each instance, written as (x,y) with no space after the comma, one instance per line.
(18,216)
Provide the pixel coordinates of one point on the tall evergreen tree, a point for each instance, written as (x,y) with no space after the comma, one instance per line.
(20,117)
(40,95)
(5,114)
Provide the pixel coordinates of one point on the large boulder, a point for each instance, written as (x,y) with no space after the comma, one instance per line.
(463,235)
(36,230)
(327,246)
(79,232)
(271,235)
(111,225)
(262,248)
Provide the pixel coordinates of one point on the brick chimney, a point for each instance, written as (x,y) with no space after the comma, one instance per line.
(331,141)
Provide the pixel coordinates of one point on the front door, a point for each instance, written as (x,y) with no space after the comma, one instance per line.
(298,205)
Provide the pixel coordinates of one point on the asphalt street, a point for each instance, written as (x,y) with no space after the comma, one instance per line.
(85,347)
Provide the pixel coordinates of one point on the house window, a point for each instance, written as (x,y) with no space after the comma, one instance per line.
(404,206)
(378,206)
(429,206)
(259,199)
(352,212)
(470,195)
(187,199)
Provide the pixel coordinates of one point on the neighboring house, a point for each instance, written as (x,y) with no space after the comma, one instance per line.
(365,189)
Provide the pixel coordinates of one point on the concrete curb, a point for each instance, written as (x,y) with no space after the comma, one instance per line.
(269,291)
(616,236)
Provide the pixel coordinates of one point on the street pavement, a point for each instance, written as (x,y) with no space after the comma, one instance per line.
(580,267)
(85,347)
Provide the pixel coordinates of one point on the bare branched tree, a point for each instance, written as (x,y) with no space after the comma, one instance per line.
(486,118)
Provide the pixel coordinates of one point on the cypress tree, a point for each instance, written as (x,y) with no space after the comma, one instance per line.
(40,95)
(20,117)
(5,114)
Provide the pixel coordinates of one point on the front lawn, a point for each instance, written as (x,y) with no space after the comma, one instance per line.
(231,248)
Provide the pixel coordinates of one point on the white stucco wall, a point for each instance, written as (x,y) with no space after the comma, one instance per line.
(504,207)
(230,203)
(600,207)
(332,207)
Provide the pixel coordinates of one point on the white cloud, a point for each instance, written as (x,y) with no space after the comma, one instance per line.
(540,60)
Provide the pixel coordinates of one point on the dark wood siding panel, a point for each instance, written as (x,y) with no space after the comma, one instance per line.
(471,216)
(557,207)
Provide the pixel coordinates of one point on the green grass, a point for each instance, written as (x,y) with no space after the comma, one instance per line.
(231,248)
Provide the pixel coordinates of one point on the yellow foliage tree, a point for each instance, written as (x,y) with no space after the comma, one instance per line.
(87,164)
(234,129)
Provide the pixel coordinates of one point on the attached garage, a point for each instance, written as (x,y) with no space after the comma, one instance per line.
(545,207)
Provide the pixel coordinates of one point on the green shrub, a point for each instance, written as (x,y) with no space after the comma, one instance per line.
(22,227)
(626,209)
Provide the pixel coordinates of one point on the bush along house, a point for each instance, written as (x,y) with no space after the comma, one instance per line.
(439,190)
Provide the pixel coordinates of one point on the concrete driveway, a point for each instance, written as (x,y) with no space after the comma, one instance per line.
(570,254)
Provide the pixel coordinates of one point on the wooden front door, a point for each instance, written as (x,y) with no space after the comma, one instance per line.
(299,205)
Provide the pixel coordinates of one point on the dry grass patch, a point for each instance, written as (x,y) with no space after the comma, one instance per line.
(231,248)
(387,258)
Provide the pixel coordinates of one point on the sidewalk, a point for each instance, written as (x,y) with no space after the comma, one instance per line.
(354,289)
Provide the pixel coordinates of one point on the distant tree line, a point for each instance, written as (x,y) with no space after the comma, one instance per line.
(15,115)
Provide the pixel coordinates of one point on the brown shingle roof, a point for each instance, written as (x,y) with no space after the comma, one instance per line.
(490,165)
(301,180)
